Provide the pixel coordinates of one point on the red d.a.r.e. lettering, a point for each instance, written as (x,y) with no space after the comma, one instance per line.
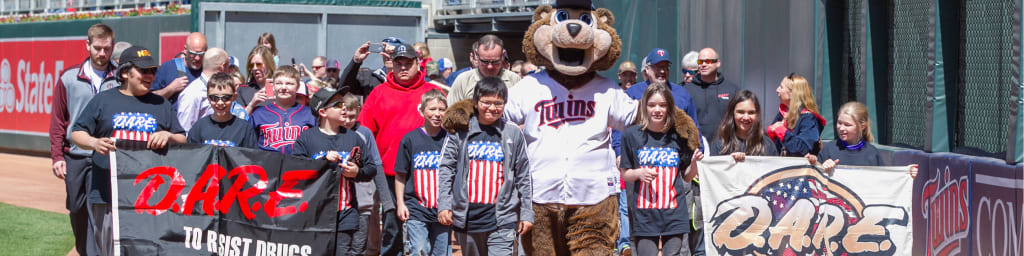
(206,191)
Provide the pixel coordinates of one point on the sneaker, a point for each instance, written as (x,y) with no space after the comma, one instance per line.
(625,250)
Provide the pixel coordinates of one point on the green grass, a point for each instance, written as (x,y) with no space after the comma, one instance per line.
(25,231)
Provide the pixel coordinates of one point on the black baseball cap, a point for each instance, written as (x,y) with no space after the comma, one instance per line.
(139,57)
(321,97)
(405,51)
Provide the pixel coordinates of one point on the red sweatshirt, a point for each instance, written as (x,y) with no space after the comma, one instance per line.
(390,112)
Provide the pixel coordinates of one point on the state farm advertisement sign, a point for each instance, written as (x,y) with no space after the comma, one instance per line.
(29,69)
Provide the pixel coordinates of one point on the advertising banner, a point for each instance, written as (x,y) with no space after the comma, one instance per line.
(29,69)
(206,200)
(782,206)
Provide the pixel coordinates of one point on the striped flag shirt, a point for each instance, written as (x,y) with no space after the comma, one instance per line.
(659,193)
(485,171)
(425,168)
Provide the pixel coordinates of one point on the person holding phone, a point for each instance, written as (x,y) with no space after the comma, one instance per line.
(252,95)
(363,80)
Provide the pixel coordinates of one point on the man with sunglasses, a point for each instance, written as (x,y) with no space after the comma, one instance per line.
(490,56)
(221,128)
(192,102)
(711,97)
(174,75)
(711,93)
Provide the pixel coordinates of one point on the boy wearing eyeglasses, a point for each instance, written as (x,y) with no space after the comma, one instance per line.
(221,128)
(485,187)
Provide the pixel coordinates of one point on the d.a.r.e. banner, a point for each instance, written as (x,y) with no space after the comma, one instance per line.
(783,206)
(206,200)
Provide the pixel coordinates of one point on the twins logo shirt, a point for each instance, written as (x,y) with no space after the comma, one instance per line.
(659,193)
(133,126)
(485,176)
(278,128)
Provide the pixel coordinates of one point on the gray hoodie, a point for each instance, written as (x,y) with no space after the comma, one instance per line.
(514,197)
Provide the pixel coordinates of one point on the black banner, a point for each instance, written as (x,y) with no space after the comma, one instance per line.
(206,200)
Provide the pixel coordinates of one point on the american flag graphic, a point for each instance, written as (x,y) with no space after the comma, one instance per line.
(659,193)
(222,143)
(782,194)
(133,126)
(485,171)
(425,166)
(344,195)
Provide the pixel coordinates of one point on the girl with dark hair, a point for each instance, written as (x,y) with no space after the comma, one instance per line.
(740,133)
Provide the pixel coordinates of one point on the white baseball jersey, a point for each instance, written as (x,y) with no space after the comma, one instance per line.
(567,136)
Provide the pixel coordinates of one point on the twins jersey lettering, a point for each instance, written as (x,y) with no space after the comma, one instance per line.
(277,136)
(134,126)
(555,113)
(425,166)
(222,143)
(485,171)
(660,193)
(567,135)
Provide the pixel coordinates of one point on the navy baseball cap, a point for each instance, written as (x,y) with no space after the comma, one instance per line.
(658,55)
(393,41)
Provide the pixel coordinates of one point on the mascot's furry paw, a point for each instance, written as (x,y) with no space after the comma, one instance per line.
(456,118)
(686,128)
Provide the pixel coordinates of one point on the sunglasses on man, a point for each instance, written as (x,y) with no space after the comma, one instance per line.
(194,53)
(147,71)
(708,61)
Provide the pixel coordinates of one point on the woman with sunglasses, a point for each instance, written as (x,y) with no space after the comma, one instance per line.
(130,113)
(260,67)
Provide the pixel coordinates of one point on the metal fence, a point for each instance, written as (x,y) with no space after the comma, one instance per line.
(16,7)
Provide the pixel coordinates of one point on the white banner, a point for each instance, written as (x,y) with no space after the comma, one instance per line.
(783,206)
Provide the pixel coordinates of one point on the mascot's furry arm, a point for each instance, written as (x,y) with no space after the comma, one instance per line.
(573,43)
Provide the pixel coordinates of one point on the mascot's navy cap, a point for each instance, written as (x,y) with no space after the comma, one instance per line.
(658,55)
(574,4)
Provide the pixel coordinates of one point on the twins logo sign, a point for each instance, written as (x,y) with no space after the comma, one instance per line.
(796,210)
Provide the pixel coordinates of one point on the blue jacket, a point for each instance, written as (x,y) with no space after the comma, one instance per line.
(804,138)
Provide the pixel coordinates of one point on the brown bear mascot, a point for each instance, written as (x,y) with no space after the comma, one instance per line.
(565,113)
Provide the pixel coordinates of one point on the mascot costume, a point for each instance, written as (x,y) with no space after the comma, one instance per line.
(566,112)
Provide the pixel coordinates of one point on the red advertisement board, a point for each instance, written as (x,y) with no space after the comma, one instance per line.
(29,69)
(171,44)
